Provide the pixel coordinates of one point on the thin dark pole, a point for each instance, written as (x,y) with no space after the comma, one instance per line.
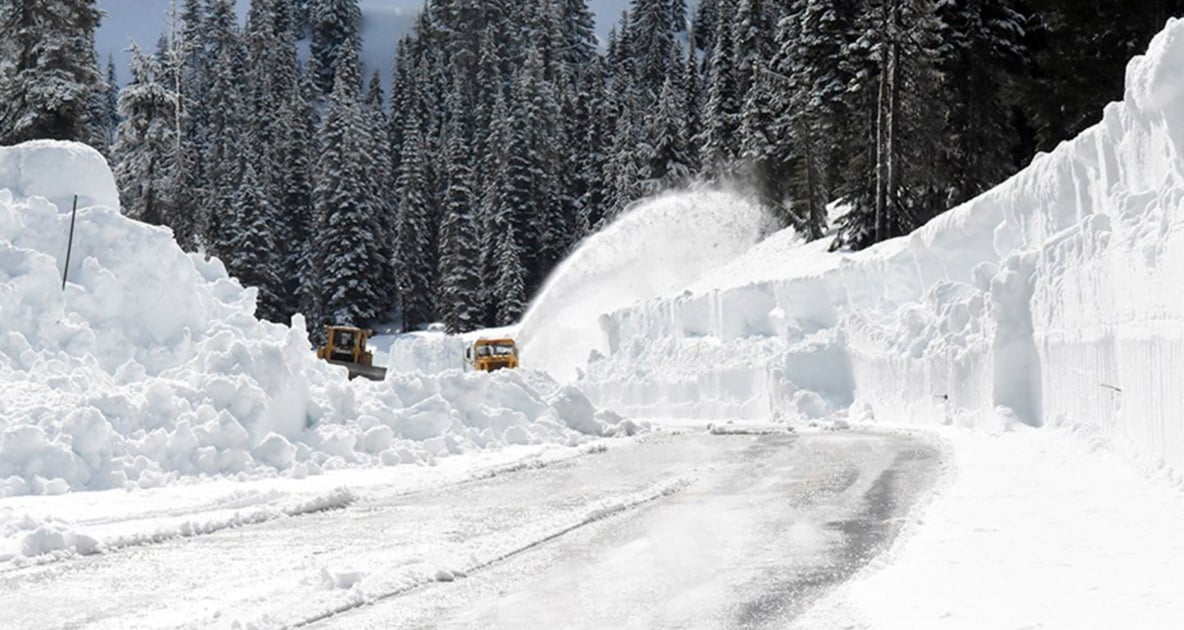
(70,243)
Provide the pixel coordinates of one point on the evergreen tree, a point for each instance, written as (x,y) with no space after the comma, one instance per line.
(810,66)
(333,24)
(224,126)
(414,260)
(907,186)
(652,29)
(48,71)
(298,128)
(510,290)
(721,115)
(145,154)
(105,112)
(460,301)
(347,252)
(666,155)
(982,51)
(254,255)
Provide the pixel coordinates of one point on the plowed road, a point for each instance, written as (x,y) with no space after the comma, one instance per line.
(670,531)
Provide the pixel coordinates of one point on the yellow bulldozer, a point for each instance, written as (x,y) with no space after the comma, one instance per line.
(346,345)
(488,355)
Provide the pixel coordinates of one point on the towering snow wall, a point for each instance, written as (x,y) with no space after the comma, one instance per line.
(150,365)
(1056,297)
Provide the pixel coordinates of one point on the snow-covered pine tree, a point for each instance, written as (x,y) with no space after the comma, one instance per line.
(653,27)
(623,168)
(378,180)
(982,48)
(704,23)
(224,126)
(460,299)
(105,113)
(665,154)
(255,257)
(906,183)
(766,156)
(332,25)
(721,114)
(594,117)
(49,73)
(510,290)
(753,30)
(692,107)
(192,71)
(414,258)
(812,41)
(347,251)
(145,154)
(578,26)
(494,217)
(297,131)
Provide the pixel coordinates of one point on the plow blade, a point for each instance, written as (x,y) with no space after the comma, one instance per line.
(371,372)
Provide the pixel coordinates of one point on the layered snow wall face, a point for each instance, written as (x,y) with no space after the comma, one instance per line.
(151,366)
(1056,297)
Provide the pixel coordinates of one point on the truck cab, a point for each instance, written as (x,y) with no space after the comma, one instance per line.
(488,355)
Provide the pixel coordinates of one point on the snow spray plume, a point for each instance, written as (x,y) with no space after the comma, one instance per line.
(656,249)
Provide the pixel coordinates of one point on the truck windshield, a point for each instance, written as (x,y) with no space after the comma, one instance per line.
(502,350)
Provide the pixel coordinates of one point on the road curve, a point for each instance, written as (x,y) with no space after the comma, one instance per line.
(769,524)
(688,530)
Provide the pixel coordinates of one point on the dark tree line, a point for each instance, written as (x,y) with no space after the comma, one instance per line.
(511,133)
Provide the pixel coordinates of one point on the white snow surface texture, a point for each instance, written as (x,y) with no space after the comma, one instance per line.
(1056,298)
(150,366)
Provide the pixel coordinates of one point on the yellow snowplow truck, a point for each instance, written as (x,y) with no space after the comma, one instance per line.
(346,345)
(487,355)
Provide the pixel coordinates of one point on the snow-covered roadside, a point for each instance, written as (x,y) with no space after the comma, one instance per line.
(41,528)
(1028,529)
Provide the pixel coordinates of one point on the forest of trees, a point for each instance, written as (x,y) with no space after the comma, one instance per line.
(511,132)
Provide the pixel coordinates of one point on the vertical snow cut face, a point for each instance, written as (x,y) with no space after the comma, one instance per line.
(151,366)
(1057,297)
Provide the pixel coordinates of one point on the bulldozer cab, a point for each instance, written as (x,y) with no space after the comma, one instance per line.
(488,355)
(346,345)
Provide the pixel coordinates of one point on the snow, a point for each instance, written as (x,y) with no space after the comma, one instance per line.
(150,367)
(653,250)
(43,528)
(1037,329)
(1055,297)
(1034,529)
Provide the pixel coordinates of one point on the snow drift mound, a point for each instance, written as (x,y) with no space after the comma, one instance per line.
(151,365)
(655,249)
(1057,297)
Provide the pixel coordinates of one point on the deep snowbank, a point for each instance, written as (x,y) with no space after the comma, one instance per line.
(151,365)
(1056,297)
